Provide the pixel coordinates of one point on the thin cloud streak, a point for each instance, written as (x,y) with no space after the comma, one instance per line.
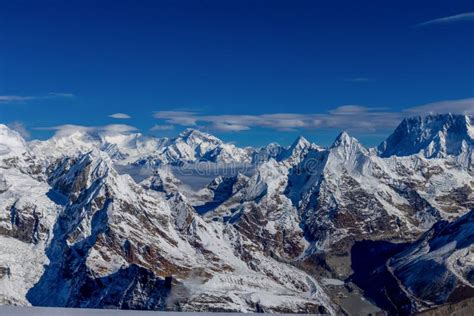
(157,128)
(343,117)
(348,117)
(467,16)
(120,116)
(61,95)
(463,106)
(354,118)
(106,130)
(23,98)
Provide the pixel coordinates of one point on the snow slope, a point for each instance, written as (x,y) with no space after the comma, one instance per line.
(440,265)
(143,239)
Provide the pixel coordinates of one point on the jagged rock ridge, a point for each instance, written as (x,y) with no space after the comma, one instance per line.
(96,237)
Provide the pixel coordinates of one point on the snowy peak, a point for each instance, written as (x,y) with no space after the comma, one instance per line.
(434,135)
(296,152)
(193,145)
(72,175)
(195,137)
(115,140)
(300,143)
(67,142)
(347,147)
(272,150)
(11,142)
(257,242)
(344,140)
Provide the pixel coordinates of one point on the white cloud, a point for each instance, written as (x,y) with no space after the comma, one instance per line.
(69,129)
(467,16)
(120,116)
(23,98)
(117,129)
(177,117)
(14,98)
(157,128)
(347,117)
(354,118)
(20,128)
(463,106)
(226,127)
(349,110)
(66,129)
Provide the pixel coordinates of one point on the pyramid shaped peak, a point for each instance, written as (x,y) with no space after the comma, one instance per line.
(344,139)
(300,142)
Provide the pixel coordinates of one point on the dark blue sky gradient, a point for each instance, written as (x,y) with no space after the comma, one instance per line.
(228,57)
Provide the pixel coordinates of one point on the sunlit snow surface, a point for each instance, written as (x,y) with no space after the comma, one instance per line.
(172,197)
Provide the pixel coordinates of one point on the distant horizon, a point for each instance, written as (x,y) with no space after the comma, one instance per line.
(123,129)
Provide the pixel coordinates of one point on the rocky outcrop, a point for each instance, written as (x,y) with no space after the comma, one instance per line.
(260,242)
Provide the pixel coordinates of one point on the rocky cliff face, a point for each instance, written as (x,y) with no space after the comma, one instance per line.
(435,270)
(142,239)
(446,251)
(433,136)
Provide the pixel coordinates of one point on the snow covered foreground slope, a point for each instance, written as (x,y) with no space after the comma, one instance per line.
(112,243)
(440,265)
(258,242)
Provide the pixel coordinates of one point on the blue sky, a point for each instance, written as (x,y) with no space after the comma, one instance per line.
(247,71)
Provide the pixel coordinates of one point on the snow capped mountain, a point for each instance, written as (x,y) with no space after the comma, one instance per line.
(121,146)
(193,146)
(103,219)
(115,243)
(28,212)
(435,270)
(447,252)
(296,152)
(347,148)
(190,145)
(433,135)
(12,144)
(348,193)
(15,153)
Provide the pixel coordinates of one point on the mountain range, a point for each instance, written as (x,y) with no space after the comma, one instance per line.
(122,220)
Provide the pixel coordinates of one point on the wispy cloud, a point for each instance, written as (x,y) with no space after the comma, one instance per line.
(345,117)
(463,106)
(467,16)
(20,128)
(106,130)
(226,127)
(355,118)
(178,117)
(157,128)
(348,117)
(25,98)
(14,98)
(120,116)
(61,95)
